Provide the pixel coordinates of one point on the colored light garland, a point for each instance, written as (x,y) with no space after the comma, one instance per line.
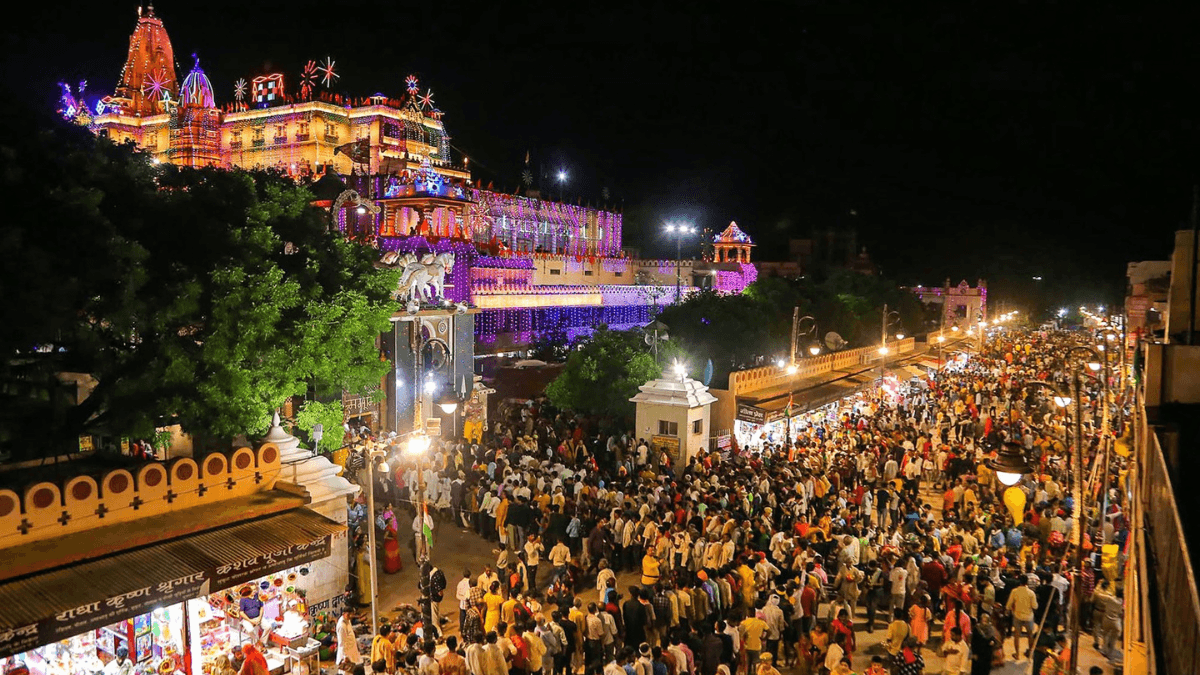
(328,74)
(735,282)
(197,90)
(732,235)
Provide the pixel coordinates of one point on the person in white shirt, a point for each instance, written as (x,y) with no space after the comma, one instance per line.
(347,642)
(898,578)
(955,652)
(462,593)
(834,656)
(122,665)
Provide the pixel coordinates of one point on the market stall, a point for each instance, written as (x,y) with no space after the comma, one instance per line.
(174,625)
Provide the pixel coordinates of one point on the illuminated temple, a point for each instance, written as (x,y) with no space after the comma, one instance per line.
(530,265)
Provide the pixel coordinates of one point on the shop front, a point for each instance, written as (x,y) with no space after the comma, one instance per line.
(175,608)
(768,422)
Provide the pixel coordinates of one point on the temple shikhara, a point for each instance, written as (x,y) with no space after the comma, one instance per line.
(384,166)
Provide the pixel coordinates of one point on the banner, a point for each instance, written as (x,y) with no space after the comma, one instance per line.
(670,444)
(105,611)
(748,413)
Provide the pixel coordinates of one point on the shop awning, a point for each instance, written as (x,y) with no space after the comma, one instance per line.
(774,409)
(910,370)
(55,605)
(931,364)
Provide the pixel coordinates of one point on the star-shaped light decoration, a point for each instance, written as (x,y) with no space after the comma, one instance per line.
(308,79)
(239,89)
(155,84)
(427,99)
(410,83)
(328,75)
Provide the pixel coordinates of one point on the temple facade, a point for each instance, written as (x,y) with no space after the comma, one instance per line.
(384,168)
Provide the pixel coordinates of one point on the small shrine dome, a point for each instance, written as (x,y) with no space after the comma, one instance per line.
(732,245)
(196,89)
(733,235)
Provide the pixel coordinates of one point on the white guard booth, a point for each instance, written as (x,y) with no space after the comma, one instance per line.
(673,416)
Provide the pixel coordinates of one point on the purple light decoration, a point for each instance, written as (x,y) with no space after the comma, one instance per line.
(504,263)
(525,324)
(196,89)
(514,215)
(735,282)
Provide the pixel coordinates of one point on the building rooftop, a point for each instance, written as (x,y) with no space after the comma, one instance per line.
(685,393)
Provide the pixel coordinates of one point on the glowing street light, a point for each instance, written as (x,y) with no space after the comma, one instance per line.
(899,336)
(448,402)
(883,351)
(814,349)
(954,329)
(680,370)
(417,445)
(941,338)
(1010,464)
(678,231)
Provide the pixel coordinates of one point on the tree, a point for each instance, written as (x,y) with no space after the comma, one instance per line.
(200,297)
(603,373)
(732,330)
(329,416)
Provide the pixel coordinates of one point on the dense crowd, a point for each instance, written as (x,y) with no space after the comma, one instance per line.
(881,514)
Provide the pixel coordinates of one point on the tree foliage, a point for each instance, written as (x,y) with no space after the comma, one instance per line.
(329,416)
(603,373)
(754,328)
(194,296)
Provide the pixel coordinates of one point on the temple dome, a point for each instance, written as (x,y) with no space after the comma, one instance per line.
(196,89)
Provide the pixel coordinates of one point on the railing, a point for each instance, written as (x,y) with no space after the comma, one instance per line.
(331,138)
(300,138)
(235,145)
(754,379)
(258,142)
(1177,610)
(279,140)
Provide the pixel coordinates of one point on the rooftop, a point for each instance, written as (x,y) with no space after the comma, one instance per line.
(685,393)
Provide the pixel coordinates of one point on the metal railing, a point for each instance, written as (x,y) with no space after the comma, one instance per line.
(1176,601)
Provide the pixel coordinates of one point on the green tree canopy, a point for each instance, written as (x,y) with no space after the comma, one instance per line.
(603,372)
(753,328)
(201,297)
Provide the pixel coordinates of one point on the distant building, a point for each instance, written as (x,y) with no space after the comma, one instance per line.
(825,249)
(961,305)
(1146,295)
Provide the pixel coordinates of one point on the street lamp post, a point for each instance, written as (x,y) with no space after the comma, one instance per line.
(416,448)
(813,348)
(888,322)
(678,231)
(1077,521)
(374,455)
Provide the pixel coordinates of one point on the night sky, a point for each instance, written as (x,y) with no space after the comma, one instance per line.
(1002,140)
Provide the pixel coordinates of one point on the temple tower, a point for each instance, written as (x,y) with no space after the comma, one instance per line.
(148,78)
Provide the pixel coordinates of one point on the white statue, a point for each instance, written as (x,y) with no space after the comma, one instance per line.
(425,279)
